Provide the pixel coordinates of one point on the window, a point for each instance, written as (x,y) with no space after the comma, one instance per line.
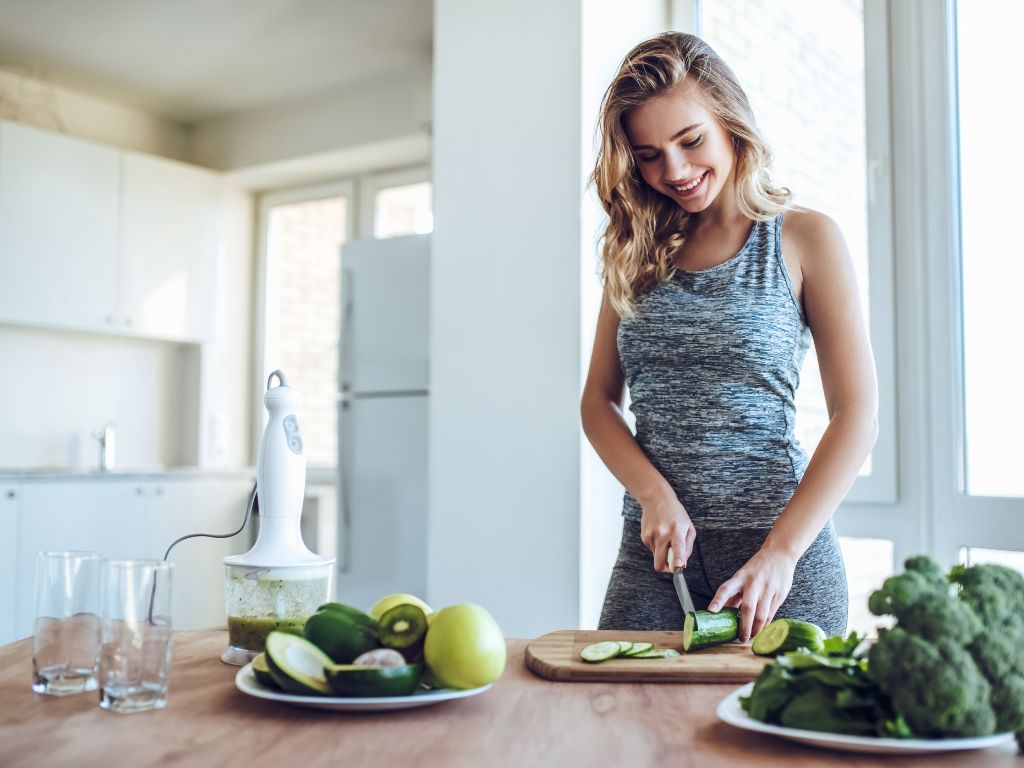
(304,231)
(403,210)
(803,67)
(869,562)
(396,203)
(992,267)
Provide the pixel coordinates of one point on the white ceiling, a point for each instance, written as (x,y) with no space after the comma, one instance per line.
(189,60)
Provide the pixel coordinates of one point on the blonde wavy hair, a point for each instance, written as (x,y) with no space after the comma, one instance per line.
(647,229)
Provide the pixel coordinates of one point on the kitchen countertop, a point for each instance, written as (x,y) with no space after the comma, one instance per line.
(522,721)
(49,474)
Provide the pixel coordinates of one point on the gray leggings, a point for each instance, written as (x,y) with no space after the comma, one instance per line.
(640,598)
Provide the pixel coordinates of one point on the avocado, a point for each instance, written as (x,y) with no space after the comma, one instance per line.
(341,632)
(350,680)
(261,671)
(297,665)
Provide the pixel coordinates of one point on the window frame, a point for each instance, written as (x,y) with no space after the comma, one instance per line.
(960,520)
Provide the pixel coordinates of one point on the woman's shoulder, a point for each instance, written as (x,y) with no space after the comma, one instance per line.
(807,234)
(807,225)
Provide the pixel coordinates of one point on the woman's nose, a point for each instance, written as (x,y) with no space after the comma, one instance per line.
(677,166)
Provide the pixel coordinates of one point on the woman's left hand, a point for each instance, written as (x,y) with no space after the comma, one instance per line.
(757,589)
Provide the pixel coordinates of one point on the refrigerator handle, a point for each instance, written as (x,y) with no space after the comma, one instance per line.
(345,357)
(345,352)
(345,481)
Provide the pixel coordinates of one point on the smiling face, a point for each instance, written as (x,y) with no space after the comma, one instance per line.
(682,150)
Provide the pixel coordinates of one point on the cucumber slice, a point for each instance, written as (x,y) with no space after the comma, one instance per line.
(624,647)
(703,629)
(784,635)
(595,652)
(657,653)
(638,648)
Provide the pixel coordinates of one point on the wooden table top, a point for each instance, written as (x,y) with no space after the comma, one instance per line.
(522,721)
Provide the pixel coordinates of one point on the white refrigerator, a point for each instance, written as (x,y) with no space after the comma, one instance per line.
(382,419)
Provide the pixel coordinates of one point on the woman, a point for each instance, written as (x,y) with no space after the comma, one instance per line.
(708,310)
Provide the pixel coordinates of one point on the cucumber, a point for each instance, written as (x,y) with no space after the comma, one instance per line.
(638,648)
(784,635)
(703,629)
(624,647)
(657,653)
(595,652)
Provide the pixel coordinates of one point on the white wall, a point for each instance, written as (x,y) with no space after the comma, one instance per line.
(33,101)
(364,113)
(511,150)
(58,386)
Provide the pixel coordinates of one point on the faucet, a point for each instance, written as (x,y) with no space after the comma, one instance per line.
(105,436)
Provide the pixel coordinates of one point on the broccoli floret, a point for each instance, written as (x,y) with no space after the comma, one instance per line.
(929,569)
(935,685)
(938,616)
(996,593)
(904,590)
(999,655)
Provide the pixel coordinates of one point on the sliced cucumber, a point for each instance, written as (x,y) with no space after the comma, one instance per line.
(703,629)
(784,635)
(595,652)
(624,647)
(638,648)
(657,653)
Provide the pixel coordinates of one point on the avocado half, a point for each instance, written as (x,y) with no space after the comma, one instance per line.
(352,680)
(297,665)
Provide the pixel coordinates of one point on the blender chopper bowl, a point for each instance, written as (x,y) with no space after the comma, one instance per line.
(278,583)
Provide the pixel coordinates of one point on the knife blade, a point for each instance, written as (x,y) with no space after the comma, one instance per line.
(682,591)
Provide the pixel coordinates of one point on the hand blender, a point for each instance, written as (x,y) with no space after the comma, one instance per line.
(278,583)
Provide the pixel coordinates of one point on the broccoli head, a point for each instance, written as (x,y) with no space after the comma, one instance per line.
(935,685)
(1000,657)
(923,577)
(996,593)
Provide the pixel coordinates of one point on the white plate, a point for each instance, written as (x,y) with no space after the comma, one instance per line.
(730,711)
(246,682)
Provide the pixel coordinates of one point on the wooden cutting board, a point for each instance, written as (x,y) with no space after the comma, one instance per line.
(556,656)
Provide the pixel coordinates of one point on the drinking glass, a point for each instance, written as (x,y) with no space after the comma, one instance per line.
(135,646)
(65,638)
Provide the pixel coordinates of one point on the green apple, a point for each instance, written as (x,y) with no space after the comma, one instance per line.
(464,647)
(387,603)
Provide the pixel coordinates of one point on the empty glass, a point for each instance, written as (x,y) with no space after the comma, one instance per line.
(65,638)
(135,648)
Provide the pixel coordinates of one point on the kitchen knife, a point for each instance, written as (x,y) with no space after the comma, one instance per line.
(682,591)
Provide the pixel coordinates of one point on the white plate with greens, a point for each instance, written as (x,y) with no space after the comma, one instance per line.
(246,682)
(730,711)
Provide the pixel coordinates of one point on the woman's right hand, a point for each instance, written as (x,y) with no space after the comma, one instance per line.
(664,525)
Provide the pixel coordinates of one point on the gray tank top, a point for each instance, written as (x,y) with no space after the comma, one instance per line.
(712,360)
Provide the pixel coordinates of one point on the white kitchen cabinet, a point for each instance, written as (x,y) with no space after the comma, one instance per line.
(8,560)
(199,506)
(135,518)
(170,248)
(102,516)
(58,229)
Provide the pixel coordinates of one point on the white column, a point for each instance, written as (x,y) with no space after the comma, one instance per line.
(511,238)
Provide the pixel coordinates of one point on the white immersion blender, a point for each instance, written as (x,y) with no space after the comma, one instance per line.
(278,583)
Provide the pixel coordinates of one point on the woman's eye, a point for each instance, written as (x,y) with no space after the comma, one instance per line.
(646,158)
(695,142)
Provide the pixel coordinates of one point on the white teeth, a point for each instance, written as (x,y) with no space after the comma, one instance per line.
(689,186)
